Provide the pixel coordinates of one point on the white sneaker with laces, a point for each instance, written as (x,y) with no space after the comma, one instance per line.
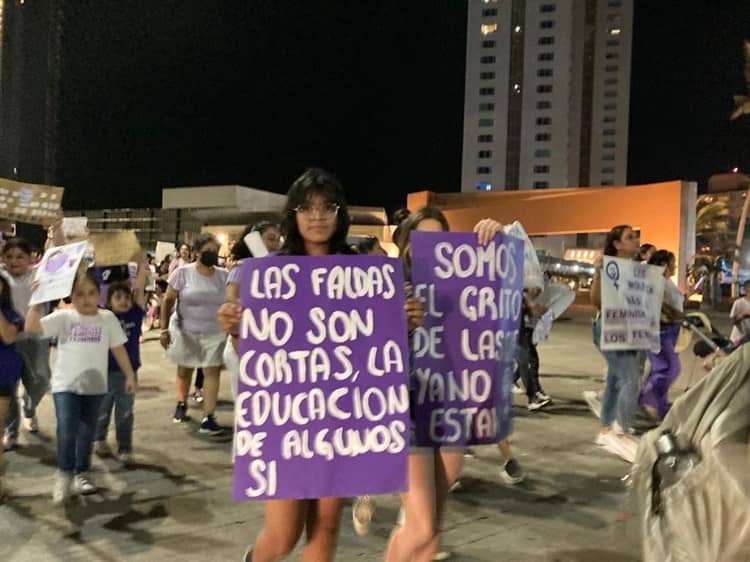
(82,485)
(61,489)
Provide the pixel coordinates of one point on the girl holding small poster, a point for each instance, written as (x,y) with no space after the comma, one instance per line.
(432,471)
(86,334)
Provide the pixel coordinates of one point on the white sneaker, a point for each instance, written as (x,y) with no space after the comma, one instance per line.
(620,445)
(83,486)
(362,512)
(516,389)
(61,489)
(102,449)
(594,404)
(442,555)
(401,517)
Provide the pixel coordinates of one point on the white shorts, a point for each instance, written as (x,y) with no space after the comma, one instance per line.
(193,350)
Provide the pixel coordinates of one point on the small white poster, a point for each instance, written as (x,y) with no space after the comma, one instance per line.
(631,305)
(163,249)
(57,271)
(75,227)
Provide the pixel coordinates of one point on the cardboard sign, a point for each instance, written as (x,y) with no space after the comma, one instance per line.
(163,249)
(323,402)
(115,248)
(464,354)
(56,272)
(28,202)
(631,305)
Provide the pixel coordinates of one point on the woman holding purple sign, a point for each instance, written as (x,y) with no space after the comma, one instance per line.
(315,223)
(432,471)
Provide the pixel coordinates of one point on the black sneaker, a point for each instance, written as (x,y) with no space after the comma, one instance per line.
(512,472)
(180,413)
(210,426)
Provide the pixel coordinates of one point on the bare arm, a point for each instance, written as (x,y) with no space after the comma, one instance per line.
(34,321)
(167,304)
(8,331)
(139,296)
(123,361)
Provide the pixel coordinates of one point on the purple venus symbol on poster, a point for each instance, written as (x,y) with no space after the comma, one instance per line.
(323,400)
(464,354)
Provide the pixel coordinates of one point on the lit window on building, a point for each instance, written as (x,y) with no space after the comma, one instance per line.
(488,28)
(484,186)
(615,31)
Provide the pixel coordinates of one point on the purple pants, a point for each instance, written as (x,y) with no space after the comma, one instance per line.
(665,368)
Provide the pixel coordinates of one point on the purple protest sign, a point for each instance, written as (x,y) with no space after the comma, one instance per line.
(323,401)
(464,353)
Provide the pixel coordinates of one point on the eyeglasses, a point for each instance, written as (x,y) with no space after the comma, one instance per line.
(325,211)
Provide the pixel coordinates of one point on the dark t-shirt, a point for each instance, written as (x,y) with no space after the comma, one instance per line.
(10,361)
(131,322)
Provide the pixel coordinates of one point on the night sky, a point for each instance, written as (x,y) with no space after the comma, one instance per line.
(250,92)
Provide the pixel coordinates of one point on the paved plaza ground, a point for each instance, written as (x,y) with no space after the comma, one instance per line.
(175,502)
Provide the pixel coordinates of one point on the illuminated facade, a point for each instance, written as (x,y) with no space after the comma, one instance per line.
(547,93)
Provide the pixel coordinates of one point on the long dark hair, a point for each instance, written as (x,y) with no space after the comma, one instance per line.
(314,182)
(409,225)
(18,243)
(614,235)
(5,301)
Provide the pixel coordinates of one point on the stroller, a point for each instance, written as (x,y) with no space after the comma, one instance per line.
(704,515)
(711,346)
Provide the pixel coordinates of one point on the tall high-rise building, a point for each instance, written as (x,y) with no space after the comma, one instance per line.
(547,93)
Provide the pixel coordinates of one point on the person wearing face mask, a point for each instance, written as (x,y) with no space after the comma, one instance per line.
(191,334)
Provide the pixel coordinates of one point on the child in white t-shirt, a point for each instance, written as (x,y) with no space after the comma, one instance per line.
(86,335)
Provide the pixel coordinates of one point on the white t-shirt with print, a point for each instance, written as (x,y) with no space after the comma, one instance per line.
(83,346)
